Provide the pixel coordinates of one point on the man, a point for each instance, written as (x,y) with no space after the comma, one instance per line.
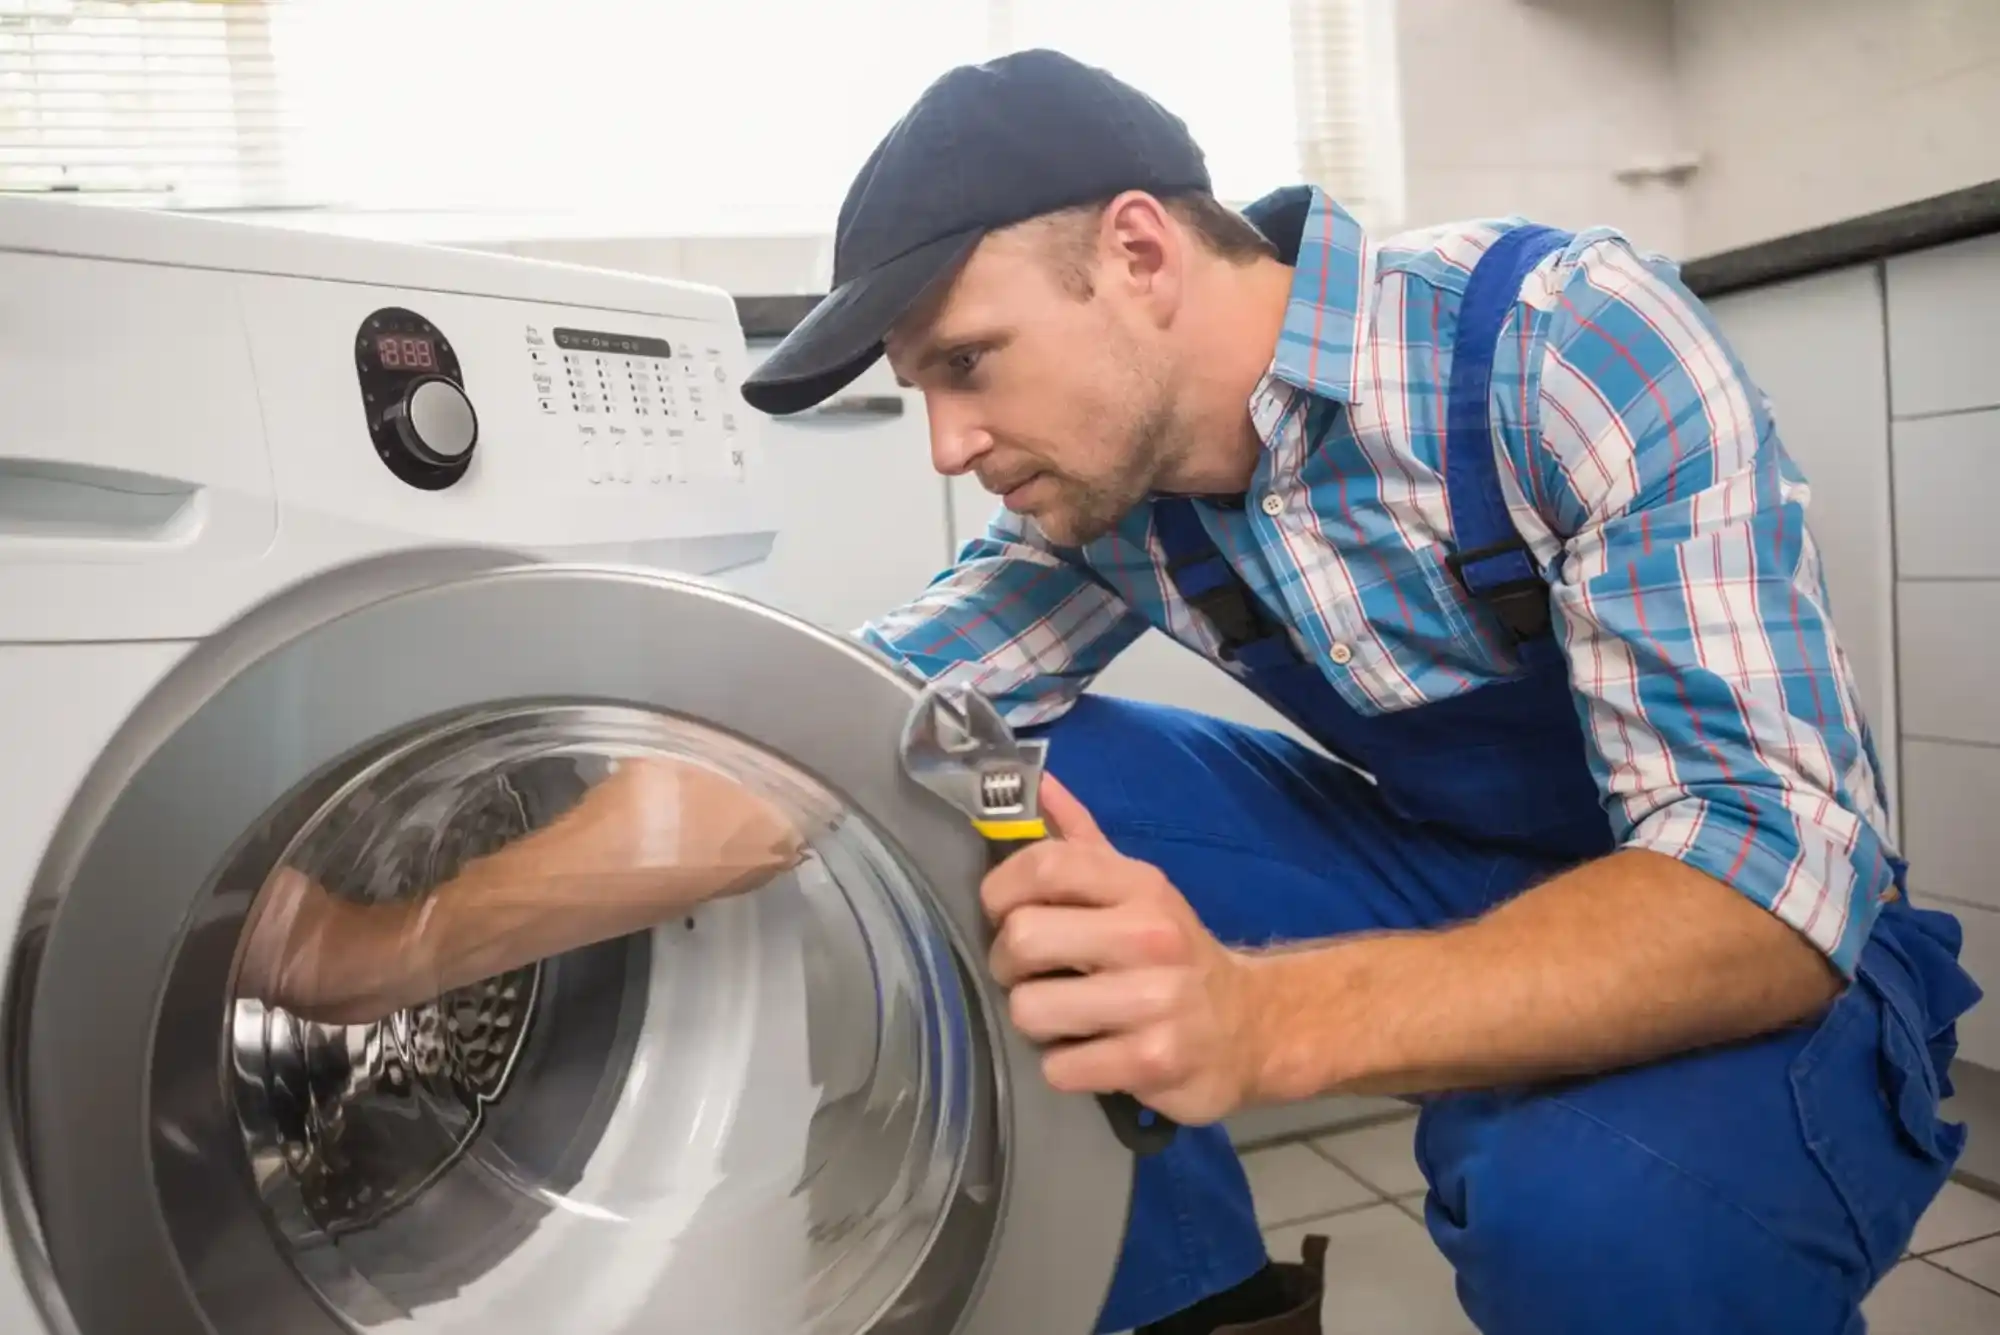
(1492,513)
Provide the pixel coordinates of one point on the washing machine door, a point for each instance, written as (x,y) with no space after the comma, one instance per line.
(796,1109)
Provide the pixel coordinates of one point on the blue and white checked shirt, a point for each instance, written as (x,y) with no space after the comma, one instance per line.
(1643,468)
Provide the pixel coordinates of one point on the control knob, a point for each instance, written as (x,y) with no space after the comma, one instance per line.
(433,420)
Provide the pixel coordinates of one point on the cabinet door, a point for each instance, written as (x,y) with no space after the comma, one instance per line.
(1816,347)
(862,517)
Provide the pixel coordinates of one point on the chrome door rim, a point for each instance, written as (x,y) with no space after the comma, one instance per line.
(454,622)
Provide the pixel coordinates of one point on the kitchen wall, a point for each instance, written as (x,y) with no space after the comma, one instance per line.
(1797,113)
(1809,112)
(1536,107)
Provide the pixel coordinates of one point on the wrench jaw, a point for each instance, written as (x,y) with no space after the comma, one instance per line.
(957,744)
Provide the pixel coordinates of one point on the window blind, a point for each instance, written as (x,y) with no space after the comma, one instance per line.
(668,116)
(1345,99)
(161,102)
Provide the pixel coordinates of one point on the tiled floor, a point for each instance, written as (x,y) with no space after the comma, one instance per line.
(1361,1187)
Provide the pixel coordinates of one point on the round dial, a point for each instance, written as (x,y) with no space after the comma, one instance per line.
(420,418)
(433,419)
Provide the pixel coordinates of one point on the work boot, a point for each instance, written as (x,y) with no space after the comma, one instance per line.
(1305,1284)
(1281,1299)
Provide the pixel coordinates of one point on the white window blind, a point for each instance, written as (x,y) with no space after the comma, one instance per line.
(673,116)
(164,102)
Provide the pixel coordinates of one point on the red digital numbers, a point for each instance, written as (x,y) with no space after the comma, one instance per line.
(403,353)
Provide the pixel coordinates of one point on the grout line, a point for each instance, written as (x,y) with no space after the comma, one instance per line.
(1978,1186)
(1311,1134)
(1355,1208)
(1953,1274)
(1379,1192)
(1962,1242)
(1933,414)
(1893,702)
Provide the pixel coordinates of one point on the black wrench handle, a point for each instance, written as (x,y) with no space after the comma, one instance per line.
(1138,1128)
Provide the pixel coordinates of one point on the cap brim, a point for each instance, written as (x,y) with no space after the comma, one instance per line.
(844,333)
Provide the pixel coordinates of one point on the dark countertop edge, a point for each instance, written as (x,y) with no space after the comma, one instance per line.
(1973,211)
(771,318)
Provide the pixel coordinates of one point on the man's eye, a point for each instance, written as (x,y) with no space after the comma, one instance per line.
(962,363)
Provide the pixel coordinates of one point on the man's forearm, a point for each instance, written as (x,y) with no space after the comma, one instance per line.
(1628,959)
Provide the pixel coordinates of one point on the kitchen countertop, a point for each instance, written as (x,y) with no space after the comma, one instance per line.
(1974,211)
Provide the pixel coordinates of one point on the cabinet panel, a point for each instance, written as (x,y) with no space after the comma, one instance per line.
(1979,1032)
(1951,836)
(1948,633)
(862,522)
(1944,328)
(1815,347)
(1947,473)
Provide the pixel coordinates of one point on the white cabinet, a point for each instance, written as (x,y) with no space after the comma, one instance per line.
(862,523)
(1944,387)
(1944,328)
(1816,348)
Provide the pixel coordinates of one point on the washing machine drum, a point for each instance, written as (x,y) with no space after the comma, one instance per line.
(793,1109)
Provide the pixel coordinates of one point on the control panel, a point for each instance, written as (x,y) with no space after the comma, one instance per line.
(641,411)
(423,424)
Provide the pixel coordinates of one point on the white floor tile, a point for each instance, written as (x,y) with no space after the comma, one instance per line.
(1290,1182)
(1917,1298)
(1976,1261)
(1382,1275)
(1384,1156)
(1959,1214)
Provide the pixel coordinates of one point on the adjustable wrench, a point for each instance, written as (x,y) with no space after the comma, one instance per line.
(956,744)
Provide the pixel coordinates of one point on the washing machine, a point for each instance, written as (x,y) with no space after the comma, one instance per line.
(365,561)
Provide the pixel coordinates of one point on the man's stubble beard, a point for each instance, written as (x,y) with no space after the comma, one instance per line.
(1089,510)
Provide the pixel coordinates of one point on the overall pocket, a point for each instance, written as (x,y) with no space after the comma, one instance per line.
(1868,1085)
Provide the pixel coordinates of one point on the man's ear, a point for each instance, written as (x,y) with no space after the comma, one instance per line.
(1143,251)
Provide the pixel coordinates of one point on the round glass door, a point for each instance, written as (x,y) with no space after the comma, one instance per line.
(460,947)
(758,1116)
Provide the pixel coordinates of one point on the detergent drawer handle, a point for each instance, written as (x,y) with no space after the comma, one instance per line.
(850,406)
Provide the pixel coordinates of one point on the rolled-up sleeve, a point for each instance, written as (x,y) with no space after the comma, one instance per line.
(1721,713)
(1026,625)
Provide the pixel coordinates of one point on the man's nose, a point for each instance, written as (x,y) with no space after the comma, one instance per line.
(956,440)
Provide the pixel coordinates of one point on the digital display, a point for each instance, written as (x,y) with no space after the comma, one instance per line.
(406,352)
(618,345)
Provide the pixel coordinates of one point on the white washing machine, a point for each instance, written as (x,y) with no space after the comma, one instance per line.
(371,559)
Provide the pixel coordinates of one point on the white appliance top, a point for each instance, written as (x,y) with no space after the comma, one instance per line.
(195,412)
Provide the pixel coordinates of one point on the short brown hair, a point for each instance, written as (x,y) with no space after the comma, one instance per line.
(1221,229)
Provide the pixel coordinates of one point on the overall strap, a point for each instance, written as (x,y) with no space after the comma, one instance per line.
(1212,587)
(1491,559)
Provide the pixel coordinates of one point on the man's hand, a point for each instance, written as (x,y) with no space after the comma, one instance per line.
(1158,1008)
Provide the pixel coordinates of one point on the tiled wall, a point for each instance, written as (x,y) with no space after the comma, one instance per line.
(1812,111)
(1943,326)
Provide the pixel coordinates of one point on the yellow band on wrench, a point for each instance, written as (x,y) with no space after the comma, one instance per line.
(1012,829)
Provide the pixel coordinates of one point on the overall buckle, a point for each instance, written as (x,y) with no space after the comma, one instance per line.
(1522,603)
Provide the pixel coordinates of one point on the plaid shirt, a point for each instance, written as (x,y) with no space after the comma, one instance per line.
(1643,468)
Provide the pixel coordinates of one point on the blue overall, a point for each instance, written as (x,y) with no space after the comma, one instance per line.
(1758,1187)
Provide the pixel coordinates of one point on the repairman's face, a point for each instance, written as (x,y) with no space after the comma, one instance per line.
(1046,369)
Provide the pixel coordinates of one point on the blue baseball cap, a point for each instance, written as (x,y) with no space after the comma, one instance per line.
(985,147)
